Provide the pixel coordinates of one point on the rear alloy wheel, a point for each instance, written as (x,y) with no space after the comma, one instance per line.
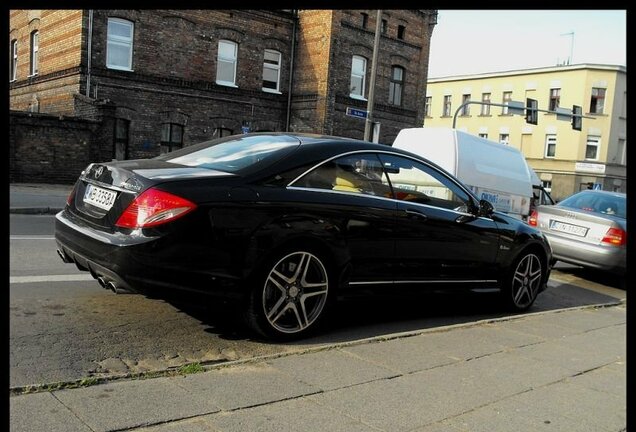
(524,282)
(292,296)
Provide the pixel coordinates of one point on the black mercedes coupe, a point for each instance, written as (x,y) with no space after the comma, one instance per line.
(280,224)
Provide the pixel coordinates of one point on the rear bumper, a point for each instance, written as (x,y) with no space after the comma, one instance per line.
(135,263)
(607,258)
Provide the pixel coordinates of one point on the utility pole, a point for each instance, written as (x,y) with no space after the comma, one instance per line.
(374,66)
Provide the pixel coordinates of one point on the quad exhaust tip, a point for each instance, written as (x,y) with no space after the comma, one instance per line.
(102,282)
(62,255)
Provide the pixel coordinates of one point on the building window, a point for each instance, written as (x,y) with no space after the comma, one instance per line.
(226,63)
(400,33)
(547,185)
(465,108)
(507,98)
(171,137)
(396,85)
(597,101)
(120,150)
(504,139)
(427,106)
(446,110)
(550,146)
(620,152)
(591,148)
(485,107)
(271,71)
(14,60)
(35,47)
(555,98)
(119,49)
(222,132)
(358,77)
(385,26)
(365,20)
(483,135)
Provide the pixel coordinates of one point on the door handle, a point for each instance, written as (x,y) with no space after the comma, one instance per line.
(416,214)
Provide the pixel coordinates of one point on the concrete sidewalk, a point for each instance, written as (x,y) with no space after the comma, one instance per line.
(552,371)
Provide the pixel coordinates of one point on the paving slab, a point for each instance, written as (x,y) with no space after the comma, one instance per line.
(130,404)
(332,369)
(244,386)
(42,412)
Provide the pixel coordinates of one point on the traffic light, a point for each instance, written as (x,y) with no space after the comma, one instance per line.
(577,120)
(532,111)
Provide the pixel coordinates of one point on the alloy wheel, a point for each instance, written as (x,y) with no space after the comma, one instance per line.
(526,281)
(295,292)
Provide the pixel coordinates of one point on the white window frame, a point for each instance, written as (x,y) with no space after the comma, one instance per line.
(448,105)
(360,74)
(14,60)
(35,49)
(232,60)
(593,141)
(550,140)
(121,41)
(465,108)
(485,107)
(428,104)
(506,99)
(597,101)
(273,67)
(504,138)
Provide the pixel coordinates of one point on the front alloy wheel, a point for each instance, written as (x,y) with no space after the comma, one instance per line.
(526,282)
(293,296)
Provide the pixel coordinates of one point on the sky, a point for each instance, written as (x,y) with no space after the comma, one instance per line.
(479,41)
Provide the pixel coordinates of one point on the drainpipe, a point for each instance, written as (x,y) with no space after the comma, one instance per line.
(291,70)
(89,46)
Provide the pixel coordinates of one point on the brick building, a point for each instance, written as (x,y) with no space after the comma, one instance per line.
(163,79)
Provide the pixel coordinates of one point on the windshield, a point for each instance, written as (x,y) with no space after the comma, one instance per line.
(597,203)
(235,153)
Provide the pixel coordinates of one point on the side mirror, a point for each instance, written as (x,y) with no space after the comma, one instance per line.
(485,208)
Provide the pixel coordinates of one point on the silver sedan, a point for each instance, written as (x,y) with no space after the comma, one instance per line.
(588,228)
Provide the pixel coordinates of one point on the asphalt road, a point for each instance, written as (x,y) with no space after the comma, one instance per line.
(64,326)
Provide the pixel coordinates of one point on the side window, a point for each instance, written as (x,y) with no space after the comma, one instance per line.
(119,44)
(358,173)
(271,71)
(35,48)
(171,137)
(419,183)
(226,63)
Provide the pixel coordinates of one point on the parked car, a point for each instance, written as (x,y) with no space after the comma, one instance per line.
(280,223)
(588,228)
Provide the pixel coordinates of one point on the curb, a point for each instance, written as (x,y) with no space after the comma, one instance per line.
(92,381)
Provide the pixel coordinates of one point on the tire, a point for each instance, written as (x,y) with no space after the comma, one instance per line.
(523,282)
(289,295)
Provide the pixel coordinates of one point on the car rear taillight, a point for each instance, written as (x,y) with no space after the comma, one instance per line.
(154,207)
(532,219)
(71,196)
(615,237)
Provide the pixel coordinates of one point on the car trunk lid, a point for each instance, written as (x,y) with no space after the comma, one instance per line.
(586,227)
(104,190)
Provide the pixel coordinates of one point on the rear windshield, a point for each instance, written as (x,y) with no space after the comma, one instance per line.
(234,154)
(597,203)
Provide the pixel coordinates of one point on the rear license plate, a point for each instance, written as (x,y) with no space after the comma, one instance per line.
(99,197)
(568,228)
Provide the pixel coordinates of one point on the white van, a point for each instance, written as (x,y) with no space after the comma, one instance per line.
(493,171)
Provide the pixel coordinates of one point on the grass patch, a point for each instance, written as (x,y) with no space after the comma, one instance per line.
(191,368)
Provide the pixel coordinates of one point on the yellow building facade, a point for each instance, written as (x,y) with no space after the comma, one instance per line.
(566,160)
